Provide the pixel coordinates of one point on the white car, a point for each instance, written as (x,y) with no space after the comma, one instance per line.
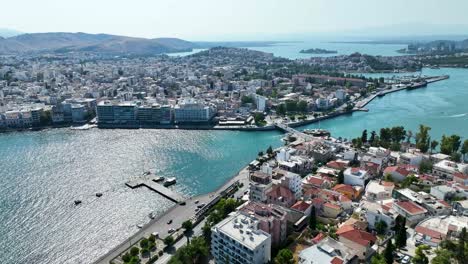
(405,260)
(171,230)
(155,234)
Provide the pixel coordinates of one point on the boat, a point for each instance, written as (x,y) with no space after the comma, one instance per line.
(158,179)
(77,202)
(417,85)
(170,181)
(317,132)
(98,194)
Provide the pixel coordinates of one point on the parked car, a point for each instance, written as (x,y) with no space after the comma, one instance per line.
(155,234)
(406,260)
(171,230)
(169,222)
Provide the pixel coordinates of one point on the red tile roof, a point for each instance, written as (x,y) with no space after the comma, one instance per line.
(429,232)
(336,260)
(358,236)
(411,207)
(315,181)
(398,169)
(343,188)
(301,206)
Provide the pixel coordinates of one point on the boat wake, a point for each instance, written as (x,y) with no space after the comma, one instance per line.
(459,115)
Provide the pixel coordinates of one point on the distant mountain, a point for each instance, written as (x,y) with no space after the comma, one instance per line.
(103,43)
(6,33)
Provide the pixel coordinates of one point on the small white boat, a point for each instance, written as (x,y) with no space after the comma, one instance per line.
(170,181)
(158,179)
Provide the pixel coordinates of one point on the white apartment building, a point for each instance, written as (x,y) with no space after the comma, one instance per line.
(446,169)
(355,177)
(294,183)
(238,240)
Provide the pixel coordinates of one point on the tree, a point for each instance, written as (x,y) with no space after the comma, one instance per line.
(364,136)
(443,256)
(191,253)
(400,233)
(464,149)
(460,251)
(420,257)
(422,138)
(260,153)
(144,243)
(269,150)
(169,241)
(434,145)
(378,259)
(259,119)
(285,256)
(281,109)
(291,106)
(372,137)
(313,219)
(397,133)
(425,166)
(449,145)
(381,227)
(134,251)
(385,137)
(340,179)
(302,106)
(246,100)
(388,252)
(187,226)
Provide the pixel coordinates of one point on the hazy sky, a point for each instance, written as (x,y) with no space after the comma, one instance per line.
(224,19)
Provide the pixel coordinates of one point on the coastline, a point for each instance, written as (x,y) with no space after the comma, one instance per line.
(177,213)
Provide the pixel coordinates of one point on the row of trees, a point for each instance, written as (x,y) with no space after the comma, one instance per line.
(292,106)
(392,137)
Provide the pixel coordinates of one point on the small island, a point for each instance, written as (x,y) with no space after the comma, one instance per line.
(318,51)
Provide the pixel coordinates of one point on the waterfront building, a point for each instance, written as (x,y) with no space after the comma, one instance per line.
(260,102)
(191,111)
(302,79)
(118,114)
(78,113)
(153,114)
(446,169)
(238,240)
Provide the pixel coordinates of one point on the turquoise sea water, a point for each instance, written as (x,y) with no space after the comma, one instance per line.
(42,173)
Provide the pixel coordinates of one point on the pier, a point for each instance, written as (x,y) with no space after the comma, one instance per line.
(156,187)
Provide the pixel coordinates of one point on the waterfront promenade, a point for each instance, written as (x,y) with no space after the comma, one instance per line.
(178,214)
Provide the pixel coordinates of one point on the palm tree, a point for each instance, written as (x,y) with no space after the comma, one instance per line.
(434,145)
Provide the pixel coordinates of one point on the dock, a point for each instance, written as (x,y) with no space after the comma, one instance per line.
(156,187)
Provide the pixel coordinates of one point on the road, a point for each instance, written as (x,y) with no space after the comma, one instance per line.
(178,214)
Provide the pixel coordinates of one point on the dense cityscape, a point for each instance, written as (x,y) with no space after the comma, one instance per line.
(390,193)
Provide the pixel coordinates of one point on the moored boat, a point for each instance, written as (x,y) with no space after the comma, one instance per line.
(170,181)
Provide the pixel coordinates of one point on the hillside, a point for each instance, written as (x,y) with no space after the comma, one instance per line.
(102,43)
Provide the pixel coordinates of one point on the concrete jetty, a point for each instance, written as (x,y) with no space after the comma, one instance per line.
(156,187)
